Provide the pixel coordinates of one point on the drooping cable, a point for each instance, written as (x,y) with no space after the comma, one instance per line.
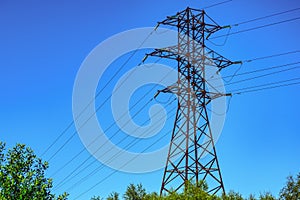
(98,93)
(127,147)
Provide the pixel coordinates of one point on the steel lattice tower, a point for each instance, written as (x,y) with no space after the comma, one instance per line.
(192,118)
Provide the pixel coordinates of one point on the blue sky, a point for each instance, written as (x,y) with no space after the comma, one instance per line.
(44,43)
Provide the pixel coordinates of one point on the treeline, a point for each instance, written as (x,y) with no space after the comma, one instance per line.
(22,177)
(291,191)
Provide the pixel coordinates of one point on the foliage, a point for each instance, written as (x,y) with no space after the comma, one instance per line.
(22,175)
(191,192)
(267,196)
(232,196)
(292,189)
(152,196)
(113,196)
(199,192)
(135,192)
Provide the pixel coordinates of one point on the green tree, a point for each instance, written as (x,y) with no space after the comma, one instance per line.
(113,196)
(292,189)
(152,196)
(173,195)
(232,196)
(197,191)
(266,196)
(96,198)
(135,192)
(192,191)
(22,175)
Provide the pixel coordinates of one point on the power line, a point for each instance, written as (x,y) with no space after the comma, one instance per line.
(85,122)
(265,17)
(134,52)
(217,4)
(68,140)
(167,74)
(258,70)
(98,93)
(227,108)
(62,146)
(127,147)
(255,59)
(97,183)
(261,58)
(260,76)
(90,156)
(89,118)
(236,91)
(111,125)
(248,21)
(57,139)
(102,146)
(115,171)
(225,40)
(251,89)
(97,109)
(232,83)
(267,88)
(257,27)
(272,56)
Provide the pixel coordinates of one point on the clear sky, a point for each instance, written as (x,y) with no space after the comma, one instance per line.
(42,45)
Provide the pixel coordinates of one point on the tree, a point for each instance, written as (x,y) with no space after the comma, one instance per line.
(113,196)
(292,189)
(152,196)
(135,192)
(22,175)
(197,191)
(266,196)
(232,196)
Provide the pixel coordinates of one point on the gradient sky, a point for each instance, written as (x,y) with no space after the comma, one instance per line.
(43,44)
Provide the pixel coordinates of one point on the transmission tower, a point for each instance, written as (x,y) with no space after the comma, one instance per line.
(192,136)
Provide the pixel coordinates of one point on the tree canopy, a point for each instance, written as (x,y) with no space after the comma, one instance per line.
(22,175)
(291,191)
